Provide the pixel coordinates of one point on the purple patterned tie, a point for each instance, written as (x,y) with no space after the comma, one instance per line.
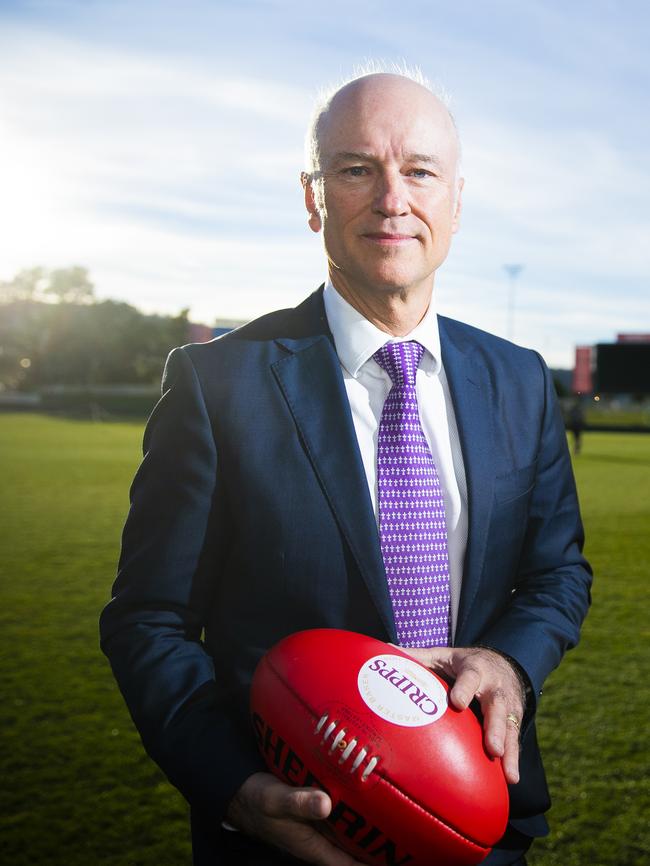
(412,527)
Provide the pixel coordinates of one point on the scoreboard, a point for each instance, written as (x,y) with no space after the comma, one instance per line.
(623,367)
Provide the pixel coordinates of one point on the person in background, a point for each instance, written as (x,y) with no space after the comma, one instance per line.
(576,424)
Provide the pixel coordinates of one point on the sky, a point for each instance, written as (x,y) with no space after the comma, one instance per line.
(159,144)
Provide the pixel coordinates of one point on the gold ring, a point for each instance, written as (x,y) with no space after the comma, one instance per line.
(512,718)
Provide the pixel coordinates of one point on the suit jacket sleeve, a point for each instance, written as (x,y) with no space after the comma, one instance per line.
(551,592)
(151,630)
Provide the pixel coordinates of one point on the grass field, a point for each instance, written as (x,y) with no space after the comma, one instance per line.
(77,787)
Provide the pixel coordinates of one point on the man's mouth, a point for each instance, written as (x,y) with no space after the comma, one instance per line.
(388,238)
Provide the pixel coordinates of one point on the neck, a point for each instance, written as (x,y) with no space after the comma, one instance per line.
(396,312)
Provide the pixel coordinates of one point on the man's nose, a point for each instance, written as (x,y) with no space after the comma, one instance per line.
(391,197)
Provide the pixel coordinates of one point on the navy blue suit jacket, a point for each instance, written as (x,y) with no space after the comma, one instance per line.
(251,518)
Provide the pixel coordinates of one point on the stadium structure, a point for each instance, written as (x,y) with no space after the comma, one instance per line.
(618,368)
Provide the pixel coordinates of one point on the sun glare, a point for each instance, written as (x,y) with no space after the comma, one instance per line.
(28,204)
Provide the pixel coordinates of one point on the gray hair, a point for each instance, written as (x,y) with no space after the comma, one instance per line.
(371,67)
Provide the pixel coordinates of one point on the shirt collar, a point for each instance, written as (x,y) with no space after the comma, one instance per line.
(356,339)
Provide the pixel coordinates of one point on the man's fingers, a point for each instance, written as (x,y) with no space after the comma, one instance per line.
(501,734)
(420,654)
(309,804)
(287,818)
(495,709)
(306,804)
(303,805)
(466,686)
(511,753)
(436,658)
(484,674)
(502,737)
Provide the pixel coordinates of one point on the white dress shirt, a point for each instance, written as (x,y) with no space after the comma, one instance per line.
(367,385)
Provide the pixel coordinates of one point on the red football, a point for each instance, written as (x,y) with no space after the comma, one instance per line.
(408,776)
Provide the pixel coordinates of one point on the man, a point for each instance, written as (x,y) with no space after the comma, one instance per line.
(256,510)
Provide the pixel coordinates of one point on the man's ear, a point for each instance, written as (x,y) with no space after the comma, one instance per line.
(314,220)
(458,205)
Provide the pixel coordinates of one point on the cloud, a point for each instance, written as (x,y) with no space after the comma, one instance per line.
(111,145)
(164,155)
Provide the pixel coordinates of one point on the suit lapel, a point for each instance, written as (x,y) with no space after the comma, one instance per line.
(471,395)
(312,384)
(309,376)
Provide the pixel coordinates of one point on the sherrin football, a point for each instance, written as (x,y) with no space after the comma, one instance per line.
(408,775)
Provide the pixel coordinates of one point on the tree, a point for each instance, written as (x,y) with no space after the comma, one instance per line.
(78,341)
(25,286)
(70,285)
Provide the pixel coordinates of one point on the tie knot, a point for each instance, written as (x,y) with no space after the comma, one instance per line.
(400,361)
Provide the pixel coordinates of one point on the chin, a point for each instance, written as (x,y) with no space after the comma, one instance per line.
(391,280)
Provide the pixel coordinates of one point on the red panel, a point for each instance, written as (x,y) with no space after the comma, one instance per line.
(582,381)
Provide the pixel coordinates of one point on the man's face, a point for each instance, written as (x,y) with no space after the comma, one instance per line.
(387,198)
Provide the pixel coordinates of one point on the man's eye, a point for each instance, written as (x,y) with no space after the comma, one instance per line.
(420,172)
(355,171)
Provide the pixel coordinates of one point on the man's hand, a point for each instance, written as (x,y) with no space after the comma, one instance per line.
(283,816)
(484,674)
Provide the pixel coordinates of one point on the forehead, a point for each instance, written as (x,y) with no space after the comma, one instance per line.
(385,117)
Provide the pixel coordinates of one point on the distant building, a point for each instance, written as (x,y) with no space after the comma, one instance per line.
(620,367)
(633,338)
(198,333)
(582,371)
(222,326)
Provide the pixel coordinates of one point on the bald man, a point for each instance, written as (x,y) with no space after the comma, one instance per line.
(259,508)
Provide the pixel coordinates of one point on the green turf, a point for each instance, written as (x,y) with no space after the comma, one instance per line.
(77,787)
(618,417)
(594,728)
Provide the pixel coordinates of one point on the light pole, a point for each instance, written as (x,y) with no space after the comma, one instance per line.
(513,272)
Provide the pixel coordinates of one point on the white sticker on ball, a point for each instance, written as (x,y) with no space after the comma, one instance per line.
(401,691)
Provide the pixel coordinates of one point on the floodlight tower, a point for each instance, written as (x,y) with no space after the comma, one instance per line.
(513,272)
